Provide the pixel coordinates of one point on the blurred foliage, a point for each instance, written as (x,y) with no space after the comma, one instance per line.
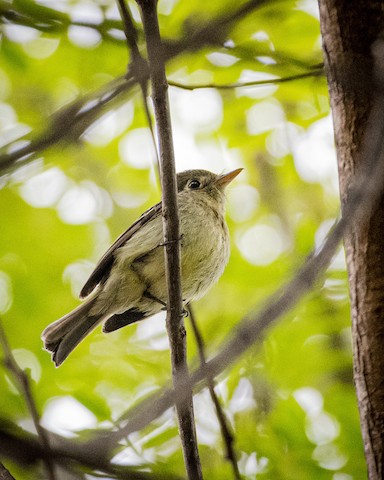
(290,400)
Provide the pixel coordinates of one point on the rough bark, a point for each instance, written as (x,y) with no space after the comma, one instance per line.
(349,28)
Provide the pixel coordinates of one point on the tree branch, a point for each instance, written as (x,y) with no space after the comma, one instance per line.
(239,340)
(226,433)
(23,382)
(257,83)
(129,31)
(138,63)
(214,32)
(175,323)
(70,122)
(26,450)
(45,19)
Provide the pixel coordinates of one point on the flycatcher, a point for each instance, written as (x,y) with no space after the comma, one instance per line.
(128,283)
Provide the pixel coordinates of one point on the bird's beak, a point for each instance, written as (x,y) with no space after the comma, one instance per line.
(226,178)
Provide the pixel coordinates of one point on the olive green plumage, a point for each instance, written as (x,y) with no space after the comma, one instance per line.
(128,284)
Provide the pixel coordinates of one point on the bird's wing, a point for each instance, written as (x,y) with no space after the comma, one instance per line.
(104,265)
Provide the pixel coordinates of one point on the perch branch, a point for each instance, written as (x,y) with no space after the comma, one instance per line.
(175,323)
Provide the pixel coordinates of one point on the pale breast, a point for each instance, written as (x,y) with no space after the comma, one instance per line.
(204,249)
(204,252)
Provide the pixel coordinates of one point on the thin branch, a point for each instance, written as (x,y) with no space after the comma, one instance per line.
(152,131)
(71,121)
(175,323)
(48,20)
(68,125)
(213,33)
(138,63)
(257,83)
(226,433)
(129,31)
(23,382)
(25,449)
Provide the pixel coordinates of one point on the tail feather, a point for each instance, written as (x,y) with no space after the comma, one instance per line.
(62,336)
(120,320)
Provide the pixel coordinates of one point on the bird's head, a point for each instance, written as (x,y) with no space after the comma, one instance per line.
(206,182)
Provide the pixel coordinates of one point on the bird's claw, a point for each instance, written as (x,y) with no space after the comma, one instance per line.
(184,313)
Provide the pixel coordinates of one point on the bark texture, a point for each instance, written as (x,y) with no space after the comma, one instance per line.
(349,28)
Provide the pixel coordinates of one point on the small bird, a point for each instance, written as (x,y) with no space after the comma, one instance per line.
(128,283)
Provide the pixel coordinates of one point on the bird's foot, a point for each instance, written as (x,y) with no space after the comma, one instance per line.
(184,313)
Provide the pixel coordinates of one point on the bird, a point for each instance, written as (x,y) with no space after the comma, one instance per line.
(128,283)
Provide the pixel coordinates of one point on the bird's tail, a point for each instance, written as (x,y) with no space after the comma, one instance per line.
(62,336)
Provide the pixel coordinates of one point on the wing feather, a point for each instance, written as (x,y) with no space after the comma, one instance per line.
(104,266)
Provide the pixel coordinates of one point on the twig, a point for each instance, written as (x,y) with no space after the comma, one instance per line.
(46,19)
(4,473)
(138,64)
(256,83)
(66,125)
(152,131)
(223,421)
(174,321)
(129,31)
(214,32)
(69,123)
(26,450)
(25,388)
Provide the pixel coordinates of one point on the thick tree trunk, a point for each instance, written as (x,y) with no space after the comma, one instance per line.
(349,28)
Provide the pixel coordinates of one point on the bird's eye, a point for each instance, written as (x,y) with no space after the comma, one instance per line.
(194,184)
